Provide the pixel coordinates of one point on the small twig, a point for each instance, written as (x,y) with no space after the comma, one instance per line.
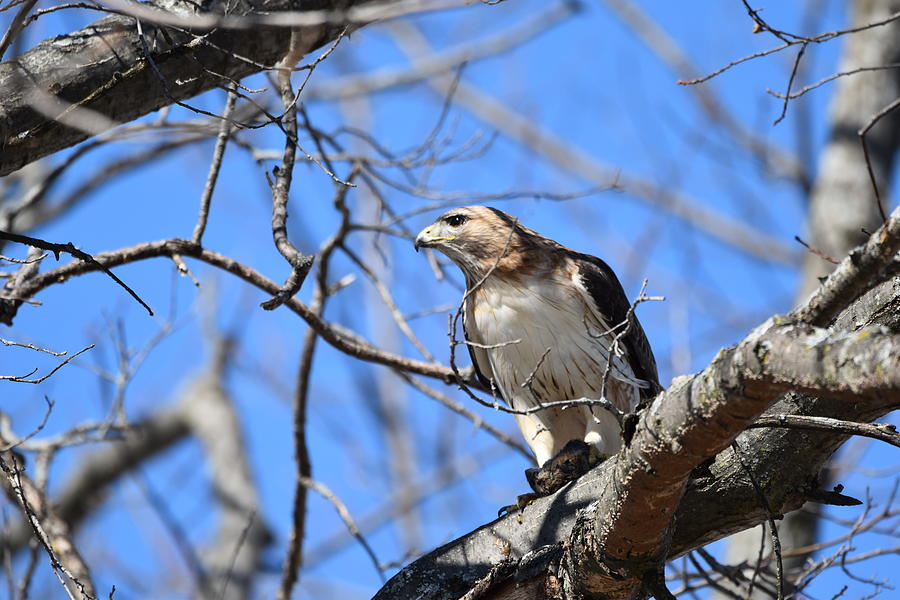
(884,432)
(816,39)
(758,565)
(346,517)
(770,516)
(69,248)
(300,263)
(237,550)
(183,268)
(176,532)
(832,77)
(15,28)
(454,320)
(23,378)
(787,93)
(459,409)
(761,25)
(218,153)
(50,531)
(816,251)
(865,147)
(32,347)
(6,432)
(529,381)
(626,327)
(24,261)
(303,465)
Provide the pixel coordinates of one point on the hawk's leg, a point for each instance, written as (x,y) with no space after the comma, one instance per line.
(575,459)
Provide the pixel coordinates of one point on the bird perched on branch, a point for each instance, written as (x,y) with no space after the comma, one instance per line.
(546,324)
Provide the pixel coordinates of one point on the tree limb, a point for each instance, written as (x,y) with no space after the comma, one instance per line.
(617,524)
(76,85)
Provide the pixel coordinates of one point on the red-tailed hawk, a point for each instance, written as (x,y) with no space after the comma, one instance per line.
(543,318)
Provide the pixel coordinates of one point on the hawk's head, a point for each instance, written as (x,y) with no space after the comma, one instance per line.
(480,238)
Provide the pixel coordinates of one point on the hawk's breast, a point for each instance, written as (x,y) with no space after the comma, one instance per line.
(546,342)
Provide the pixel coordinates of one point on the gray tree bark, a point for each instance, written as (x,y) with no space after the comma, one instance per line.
(841,205)
(76,85)
(607,534)
(842,202)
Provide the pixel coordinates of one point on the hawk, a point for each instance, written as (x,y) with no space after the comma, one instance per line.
(541,320)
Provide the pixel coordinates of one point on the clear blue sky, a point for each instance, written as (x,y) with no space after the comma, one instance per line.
(587,80)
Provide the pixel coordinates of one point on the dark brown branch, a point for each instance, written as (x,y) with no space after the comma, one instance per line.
(294,557)
(300,263)
(70,248)
(333,334)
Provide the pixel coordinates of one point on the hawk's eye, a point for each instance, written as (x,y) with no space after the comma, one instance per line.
(455,220)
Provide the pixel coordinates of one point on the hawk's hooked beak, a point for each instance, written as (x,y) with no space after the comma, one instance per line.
(427,238)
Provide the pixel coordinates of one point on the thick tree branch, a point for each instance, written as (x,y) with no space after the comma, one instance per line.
(79,84)
(631,498)
(620,522)
(854,275)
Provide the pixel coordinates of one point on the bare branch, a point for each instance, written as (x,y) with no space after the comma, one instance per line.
(50,531)
(70,248)
(212,177)
(884,432)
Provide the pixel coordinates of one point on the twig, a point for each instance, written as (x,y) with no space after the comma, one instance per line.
(832,77)
(51,532)
(32,347)
(347,518)
(816,251)
(176,532)
(884,432)
(6,432)
(245,532)
(24,378)
(24,261)
(865,147)
(614,346)
(459,409)
(524,131)
(770,516)
(816,39)
(215,165)
(15,28)
(300,263)
(340,338)
(787,94)
(294,558)
(69,248)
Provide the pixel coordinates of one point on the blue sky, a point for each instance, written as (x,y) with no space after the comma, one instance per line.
(587,80)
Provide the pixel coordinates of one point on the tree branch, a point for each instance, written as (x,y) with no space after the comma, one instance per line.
(79,84)
(621,521)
